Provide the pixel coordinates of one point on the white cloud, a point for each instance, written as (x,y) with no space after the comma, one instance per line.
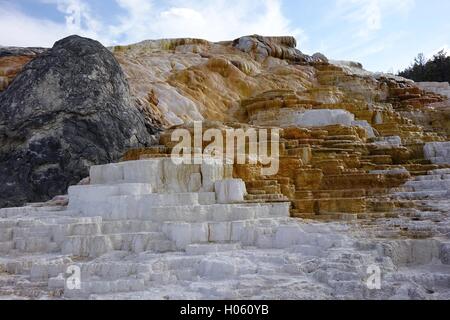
(19,29)
(365,31)
(145,19)
(208,19)
(80,19)
(78,16)
(368,15)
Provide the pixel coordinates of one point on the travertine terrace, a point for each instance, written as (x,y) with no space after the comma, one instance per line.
(346,136)
(364,181)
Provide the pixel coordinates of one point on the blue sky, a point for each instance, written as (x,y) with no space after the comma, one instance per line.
(385,35)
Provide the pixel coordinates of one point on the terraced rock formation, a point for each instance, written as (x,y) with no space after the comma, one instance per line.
(362,183)
(134,234)
(345,143)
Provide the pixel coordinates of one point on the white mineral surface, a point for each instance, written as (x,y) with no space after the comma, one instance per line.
(438,152)
(130,241)
(442,88)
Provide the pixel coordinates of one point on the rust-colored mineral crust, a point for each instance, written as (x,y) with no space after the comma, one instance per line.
(349,137)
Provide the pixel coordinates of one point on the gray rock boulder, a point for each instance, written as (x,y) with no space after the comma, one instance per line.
(68,109)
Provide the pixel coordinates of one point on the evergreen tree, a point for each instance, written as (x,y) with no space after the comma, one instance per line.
(435,69)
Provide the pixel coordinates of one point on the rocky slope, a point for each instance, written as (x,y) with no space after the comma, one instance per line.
(68,108)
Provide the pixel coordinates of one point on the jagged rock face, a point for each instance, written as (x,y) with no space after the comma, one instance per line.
(68,109)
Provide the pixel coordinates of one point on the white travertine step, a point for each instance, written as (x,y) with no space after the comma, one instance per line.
(202,249)
(121,205)
(44,226)
(33,236)
(61,220)
(207,198)
(33,231)
(429,194)
(194,213)
(6,234)
(107,278)
(111,271)
(35,244)
(437,152)
(42,270)
(433,177)
(439,171)
(94,246)
(134,231)
(94,206)
(99,192)
(98,278)
(32,211)
(85,229)
(90,287)
(435,185)
(163,175)
(421,185)
(6,246)
(129,226)
(230,191)
(253,233)
(106,270)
